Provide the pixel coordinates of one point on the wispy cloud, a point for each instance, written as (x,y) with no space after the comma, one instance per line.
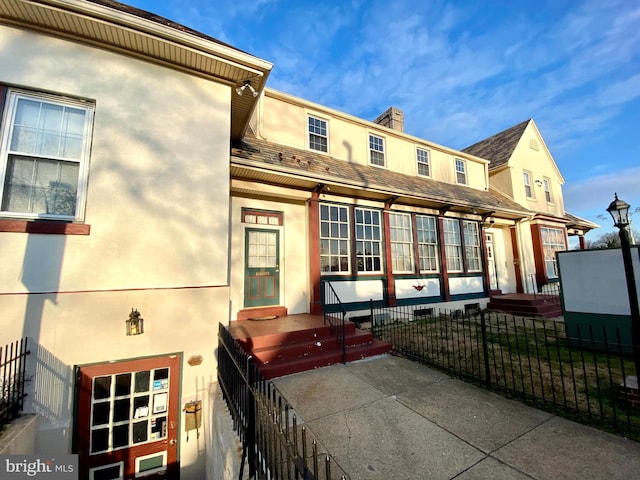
(461,71)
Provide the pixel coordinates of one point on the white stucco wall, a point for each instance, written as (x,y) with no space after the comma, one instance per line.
(158,203)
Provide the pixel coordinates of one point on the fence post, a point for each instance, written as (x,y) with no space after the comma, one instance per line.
(251,417)
(373,322)
(485,350)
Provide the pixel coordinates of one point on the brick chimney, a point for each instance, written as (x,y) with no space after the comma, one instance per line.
(393,118)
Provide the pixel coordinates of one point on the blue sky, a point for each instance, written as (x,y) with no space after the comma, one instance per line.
(461,71)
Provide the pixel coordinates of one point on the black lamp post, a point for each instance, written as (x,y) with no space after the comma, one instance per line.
(619,210)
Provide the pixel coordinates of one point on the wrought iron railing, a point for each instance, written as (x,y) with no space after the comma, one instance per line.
(549,292)
(584,374)
(274,445)
(13,364)
(334,314)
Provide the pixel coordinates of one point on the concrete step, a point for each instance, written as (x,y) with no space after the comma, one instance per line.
(292,352)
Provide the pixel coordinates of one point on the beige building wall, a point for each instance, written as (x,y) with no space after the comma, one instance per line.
(532,155)
(293,236)
(158,203)
(503,257)
(283,119)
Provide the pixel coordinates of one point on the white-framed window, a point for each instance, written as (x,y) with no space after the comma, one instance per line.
(547,190)
(528,188)
(44,156)
(401,242)
(452,244)
(368,240)
(376,150)
(422,157)
(473,257)
(427,243)
(552,241)
(318,134)
(334,239)
(461,171)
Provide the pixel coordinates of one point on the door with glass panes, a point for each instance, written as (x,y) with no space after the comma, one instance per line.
(127,419)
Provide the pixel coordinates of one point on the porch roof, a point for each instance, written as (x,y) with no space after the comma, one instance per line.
(276,164)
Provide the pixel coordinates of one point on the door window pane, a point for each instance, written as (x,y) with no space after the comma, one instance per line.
(120,436)
(142,381)
(140,432)
(101,387)
(123,384)
(121,410)
(99,440)
(100,414)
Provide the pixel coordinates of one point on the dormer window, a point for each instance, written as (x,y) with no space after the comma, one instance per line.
(461,171)
(318,137)
(422,157)
(376,150)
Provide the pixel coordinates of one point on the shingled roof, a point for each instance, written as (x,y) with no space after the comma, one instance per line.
(159,20)
(499,147)
(302,168)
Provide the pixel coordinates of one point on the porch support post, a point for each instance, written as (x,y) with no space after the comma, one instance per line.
(446,296)
(538,256)
(516,258)
(485,258)
(390,286)
(582,242)
(315,299)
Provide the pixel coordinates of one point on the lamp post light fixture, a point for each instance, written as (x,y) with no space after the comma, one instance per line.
(619,211)
(135,323)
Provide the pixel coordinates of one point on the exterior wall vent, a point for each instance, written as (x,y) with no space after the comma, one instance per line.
(533,144)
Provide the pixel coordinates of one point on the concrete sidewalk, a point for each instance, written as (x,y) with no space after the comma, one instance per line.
(391,418)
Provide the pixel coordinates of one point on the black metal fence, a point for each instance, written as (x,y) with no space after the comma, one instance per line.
(585,377)
(274,445)
(13,364)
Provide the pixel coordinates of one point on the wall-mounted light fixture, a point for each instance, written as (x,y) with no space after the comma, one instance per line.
(135,323)
(247,84)
(539,183)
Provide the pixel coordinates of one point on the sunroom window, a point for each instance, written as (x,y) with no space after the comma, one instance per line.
(368,240)
(401,242)
(44,156)
(334,239)
(427,243)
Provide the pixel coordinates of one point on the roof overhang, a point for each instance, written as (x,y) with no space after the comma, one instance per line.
(134,32)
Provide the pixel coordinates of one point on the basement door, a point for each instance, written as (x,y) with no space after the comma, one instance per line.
(262,268)
(127,419)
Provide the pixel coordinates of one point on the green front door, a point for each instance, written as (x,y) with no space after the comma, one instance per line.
(262,268)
